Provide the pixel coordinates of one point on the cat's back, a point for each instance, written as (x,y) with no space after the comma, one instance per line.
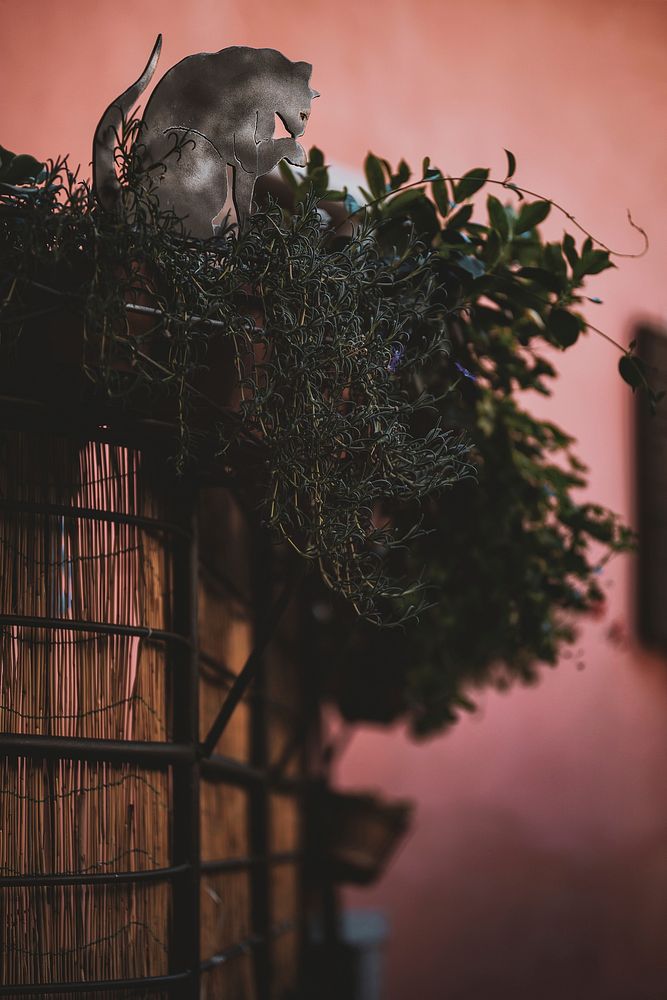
(224,79)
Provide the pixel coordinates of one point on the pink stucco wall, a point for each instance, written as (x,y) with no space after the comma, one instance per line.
(538,866)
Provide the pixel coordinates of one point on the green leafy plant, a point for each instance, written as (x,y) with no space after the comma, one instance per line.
(514,556)
(381,353)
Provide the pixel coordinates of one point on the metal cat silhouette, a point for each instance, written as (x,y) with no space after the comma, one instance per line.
(210,120)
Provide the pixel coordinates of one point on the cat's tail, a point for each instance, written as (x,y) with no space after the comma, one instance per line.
(105,182)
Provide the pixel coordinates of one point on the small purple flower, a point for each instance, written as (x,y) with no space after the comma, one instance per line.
(465,372)
(397,352)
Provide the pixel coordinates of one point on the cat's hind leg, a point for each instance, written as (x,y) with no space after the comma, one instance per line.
(193,183)
(227,215)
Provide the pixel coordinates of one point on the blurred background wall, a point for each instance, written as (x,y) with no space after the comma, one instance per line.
(538,866)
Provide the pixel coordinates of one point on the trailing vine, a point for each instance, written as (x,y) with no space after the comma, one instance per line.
(514,556)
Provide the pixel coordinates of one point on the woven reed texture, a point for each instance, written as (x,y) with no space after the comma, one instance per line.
(66,816)
(226,634)
(69,816)
(284,720)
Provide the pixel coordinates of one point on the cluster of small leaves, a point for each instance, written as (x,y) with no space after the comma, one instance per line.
(515,556)
(317,330)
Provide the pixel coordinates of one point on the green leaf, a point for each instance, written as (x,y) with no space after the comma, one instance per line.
(21,169)
(472,265)
(547,279)
(460,218)
(375,176)
(595,261)
(315,158)
(554,260)
(564,326)
(440,195)
(5,156)
(498,217)
(401,202)
(570,250)
(531,215)
(481,232)
(426,163)
(319,179)
(631,369)
(332,195)
(511,165)
(492,248)
(451,239)
(470,183)
(402,175)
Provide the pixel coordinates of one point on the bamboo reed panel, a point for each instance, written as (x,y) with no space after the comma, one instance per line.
(284,894)
(284,691)
(281,726)
(285,951)
(284,721)
(225,910)
(233,980)
(225,617)
(47,686)
(225,538)
(225,625)
(283,675)
(80,933)
(235,740)
(69,816)
(66,815)
(225,633)
(76,817)
(224,821)
(285,822)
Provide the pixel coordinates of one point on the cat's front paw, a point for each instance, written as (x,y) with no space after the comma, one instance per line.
(297,156)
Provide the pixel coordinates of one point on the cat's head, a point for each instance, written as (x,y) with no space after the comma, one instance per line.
(295,97)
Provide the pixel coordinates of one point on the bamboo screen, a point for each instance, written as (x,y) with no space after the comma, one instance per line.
(105,857)
(254,898)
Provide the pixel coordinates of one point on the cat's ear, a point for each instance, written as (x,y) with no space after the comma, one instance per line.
(303,69)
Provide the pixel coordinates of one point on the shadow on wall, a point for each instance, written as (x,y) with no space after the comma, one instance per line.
(547,925)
